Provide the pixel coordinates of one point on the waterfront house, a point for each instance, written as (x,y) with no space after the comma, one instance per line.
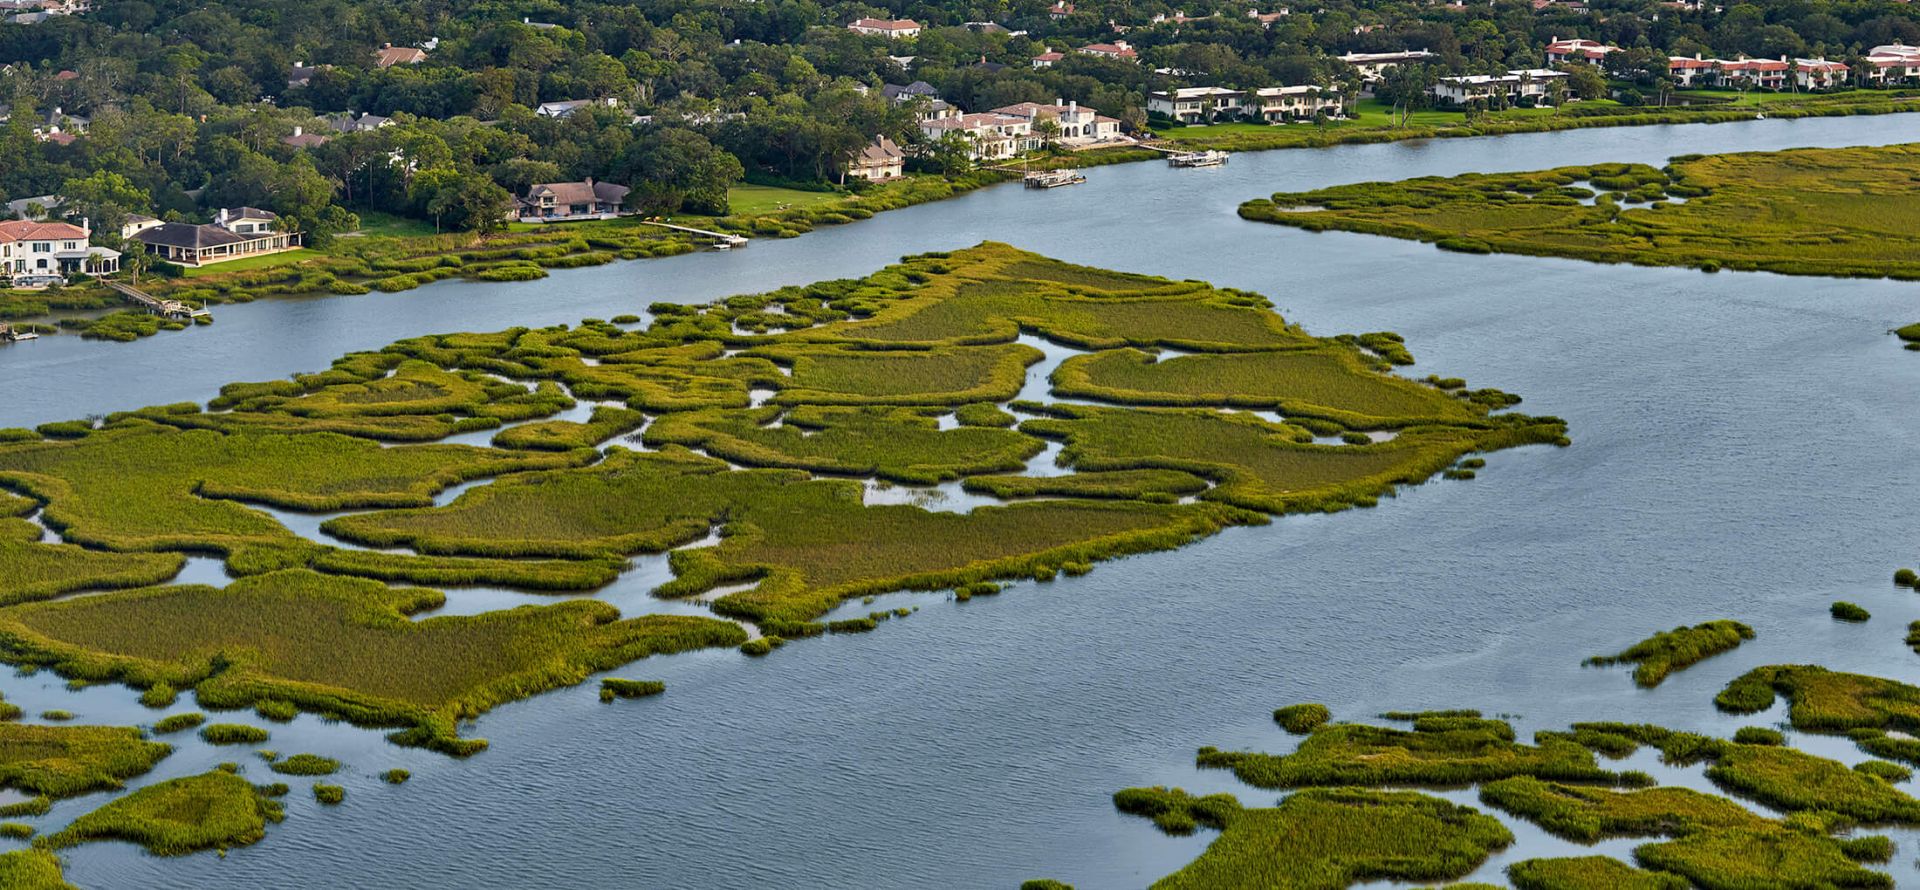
(1766,74)
(1295,103)
(1819,74)
(989,137)
(35,254)
(892,29)
(234,233)
(1892,63)
(1078,125)
(1518,86)
(881,160)
(568,201)
(1195,105)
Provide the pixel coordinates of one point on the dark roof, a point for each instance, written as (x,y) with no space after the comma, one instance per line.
(580,192)
(917,88)
(186,235)
(250,213)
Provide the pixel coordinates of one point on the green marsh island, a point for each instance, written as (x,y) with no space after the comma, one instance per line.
(1077,414)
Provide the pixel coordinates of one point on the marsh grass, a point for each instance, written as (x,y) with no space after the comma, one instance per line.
(330,795)
(1589,873)
(1302,718)
(61,761)
(215,810)
(1321,838)
(614,687)
(1446,755)
(1846,611)
(32,869)
(305,765)
(233,734)
(1667,651)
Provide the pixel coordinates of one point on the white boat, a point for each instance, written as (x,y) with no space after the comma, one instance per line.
(1197,158)
(1048,179)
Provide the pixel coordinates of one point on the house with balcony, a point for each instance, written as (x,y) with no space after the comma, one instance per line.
(572,201)
(1892,63)
(989,137)
(1295,103)
(234,233)
(880,161)
(1195,105)
(1519,87)
(1819,74)
(1078,125)
(1118,51)
(37,254)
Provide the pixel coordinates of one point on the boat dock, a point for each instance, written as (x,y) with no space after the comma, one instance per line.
(722,240)
(11,334)
(155,305)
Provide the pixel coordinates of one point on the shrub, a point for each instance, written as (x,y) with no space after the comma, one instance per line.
(1906,578)
(1846,611)
(1302,718)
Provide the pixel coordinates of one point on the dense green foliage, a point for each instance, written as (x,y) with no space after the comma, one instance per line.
(1302,718)
(1671,650)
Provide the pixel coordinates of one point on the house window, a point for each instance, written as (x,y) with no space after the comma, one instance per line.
(42,247)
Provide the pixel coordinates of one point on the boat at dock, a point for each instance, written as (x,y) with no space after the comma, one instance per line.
(11,334)
(1197,159)
(1048,179)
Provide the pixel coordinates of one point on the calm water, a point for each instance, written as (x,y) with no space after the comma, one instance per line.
(1745,447)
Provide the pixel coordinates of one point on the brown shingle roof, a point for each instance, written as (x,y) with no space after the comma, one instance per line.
(580,192)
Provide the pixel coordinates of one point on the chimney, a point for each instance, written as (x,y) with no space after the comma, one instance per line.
(296,131)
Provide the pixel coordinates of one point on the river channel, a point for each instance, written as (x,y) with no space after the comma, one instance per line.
(1745,446)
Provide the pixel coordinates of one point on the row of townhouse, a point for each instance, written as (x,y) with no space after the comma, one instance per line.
(1190,105)
(1516,86)
(1767,74)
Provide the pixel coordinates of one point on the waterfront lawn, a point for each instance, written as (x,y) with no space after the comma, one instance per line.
(748,199)
(248,264)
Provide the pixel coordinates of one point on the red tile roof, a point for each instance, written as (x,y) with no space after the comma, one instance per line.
(30,230)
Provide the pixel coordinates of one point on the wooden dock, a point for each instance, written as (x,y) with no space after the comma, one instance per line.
(155,305)
(722,240)
(11,334)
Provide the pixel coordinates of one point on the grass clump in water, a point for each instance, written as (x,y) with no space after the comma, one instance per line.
(305,765)
(1446,751)
(396,776)
(1589,873)
(178,722)
(1846,611)
(233,734)
(1302,718)
(329,794)
(1667,651)
(215,810)
(614,687)
(1321,838)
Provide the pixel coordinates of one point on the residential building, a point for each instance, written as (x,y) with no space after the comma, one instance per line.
(879,161)
(928,100)
(1116,50)
(234,233)
(136,223)
(892,29)
(990,137)
(1518,86)
(32,12)
(1060,10)
(1193,105)
(389,55)
(300,73)
(1078,126)
(347,123)
(302,139)
(567,201)
(1767,74)
(569,106)
(1373,66)
(1305,102)
(1692,72)
(1578,49)
(1892,63)
(1266,19)
(1819,74)
(34,254)
(1048,58)
(24,208)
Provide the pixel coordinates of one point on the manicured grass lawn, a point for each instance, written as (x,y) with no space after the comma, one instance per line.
(1367,113)
(748,199)
(264,261)
(1757,97)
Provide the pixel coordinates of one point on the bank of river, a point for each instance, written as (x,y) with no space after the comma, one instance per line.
(1744,447)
